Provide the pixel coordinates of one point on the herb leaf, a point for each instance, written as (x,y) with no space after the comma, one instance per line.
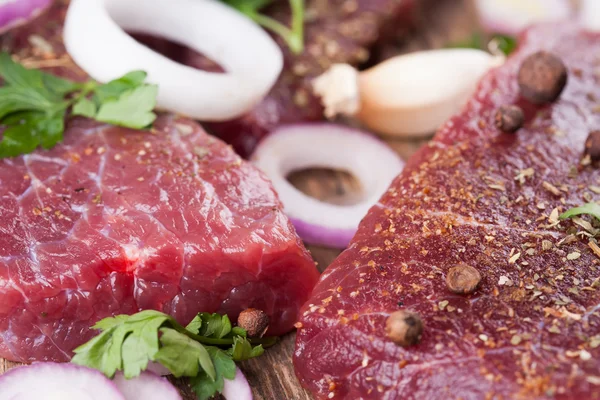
(108,355)
(14,99)
(214,325)
(115,88)
(40,102)
(85,108)
(183,356)
(592,209)
(195,324)
(506,44)
(242,349)
(133,108)
(203,385)
(128,342)
(294,36)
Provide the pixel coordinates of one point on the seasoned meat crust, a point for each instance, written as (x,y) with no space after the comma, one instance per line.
(491,200)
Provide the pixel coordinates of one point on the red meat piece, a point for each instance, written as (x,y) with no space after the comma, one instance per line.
(477,196)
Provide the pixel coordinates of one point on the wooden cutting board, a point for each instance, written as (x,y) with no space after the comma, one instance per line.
(272,375)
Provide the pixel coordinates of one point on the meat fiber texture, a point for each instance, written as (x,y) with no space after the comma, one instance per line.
(113,221)
(336,31)
(491,200)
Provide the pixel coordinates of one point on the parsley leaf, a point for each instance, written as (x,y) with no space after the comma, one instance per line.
(205,351)
(34,104)
(47,85)
(195,324)
(592,209)
(203,385)
(14,99)
(214,325)
(85,107)
(115,88)
(242,349)
(132,109)
(182,355)
(294,36)
(504,43)
(127,344)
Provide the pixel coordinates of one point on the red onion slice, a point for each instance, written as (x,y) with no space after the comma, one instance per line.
(18,12)
(238,388)
(95,38)
(295,147)
(146,386)
(53,381)
(158,369)
(511,16)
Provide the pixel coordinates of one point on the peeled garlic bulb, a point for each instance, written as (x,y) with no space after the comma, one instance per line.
(409,95)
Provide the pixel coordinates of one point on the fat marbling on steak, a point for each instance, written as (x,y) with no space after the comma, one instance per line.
(491,200)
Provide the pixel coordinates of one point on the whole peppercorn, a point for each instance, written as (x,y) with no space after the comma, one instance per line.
(255,322)
(592,146)
(509,118)
(542,77)
(404,328)
(463,279)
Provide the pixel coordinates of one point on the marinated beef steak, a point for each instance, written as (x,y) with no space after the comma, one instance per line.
(114,221)
(336,31)
(490,200)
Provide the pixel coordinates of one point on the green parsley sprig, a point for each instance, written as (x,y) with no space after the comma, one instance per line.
(294,36)
(205,350)
(506,44)
(592,209)
(34,105)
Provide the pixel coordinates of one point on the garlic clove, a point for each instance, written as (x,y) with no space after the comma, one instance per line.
(338,89)
(409,95)
(413,94)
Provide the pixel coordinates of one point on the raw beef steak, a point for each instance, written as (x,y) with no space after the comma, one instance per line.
(490,200)
(115,220)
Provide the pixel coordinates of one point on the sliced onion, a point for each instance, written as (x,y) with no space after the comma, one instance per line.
(301,146)
(18,12)
(146,386)
(158,369)
(101,47)
(238,388)
(53,381)
(511,16)
(589,15)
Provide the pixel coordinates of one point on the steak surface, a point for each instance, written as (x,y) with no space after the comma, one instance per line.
(115,220)
(490,200)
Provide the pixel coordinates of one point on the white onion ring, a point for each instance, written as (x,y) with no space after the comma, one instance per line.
(54,381)
(14,13)
(238,388)
(295,147)
(511,16)
(102,48)
(146,386)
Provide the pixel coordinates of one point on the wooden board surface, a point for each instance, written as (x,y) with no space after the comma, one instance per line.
(272,375)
